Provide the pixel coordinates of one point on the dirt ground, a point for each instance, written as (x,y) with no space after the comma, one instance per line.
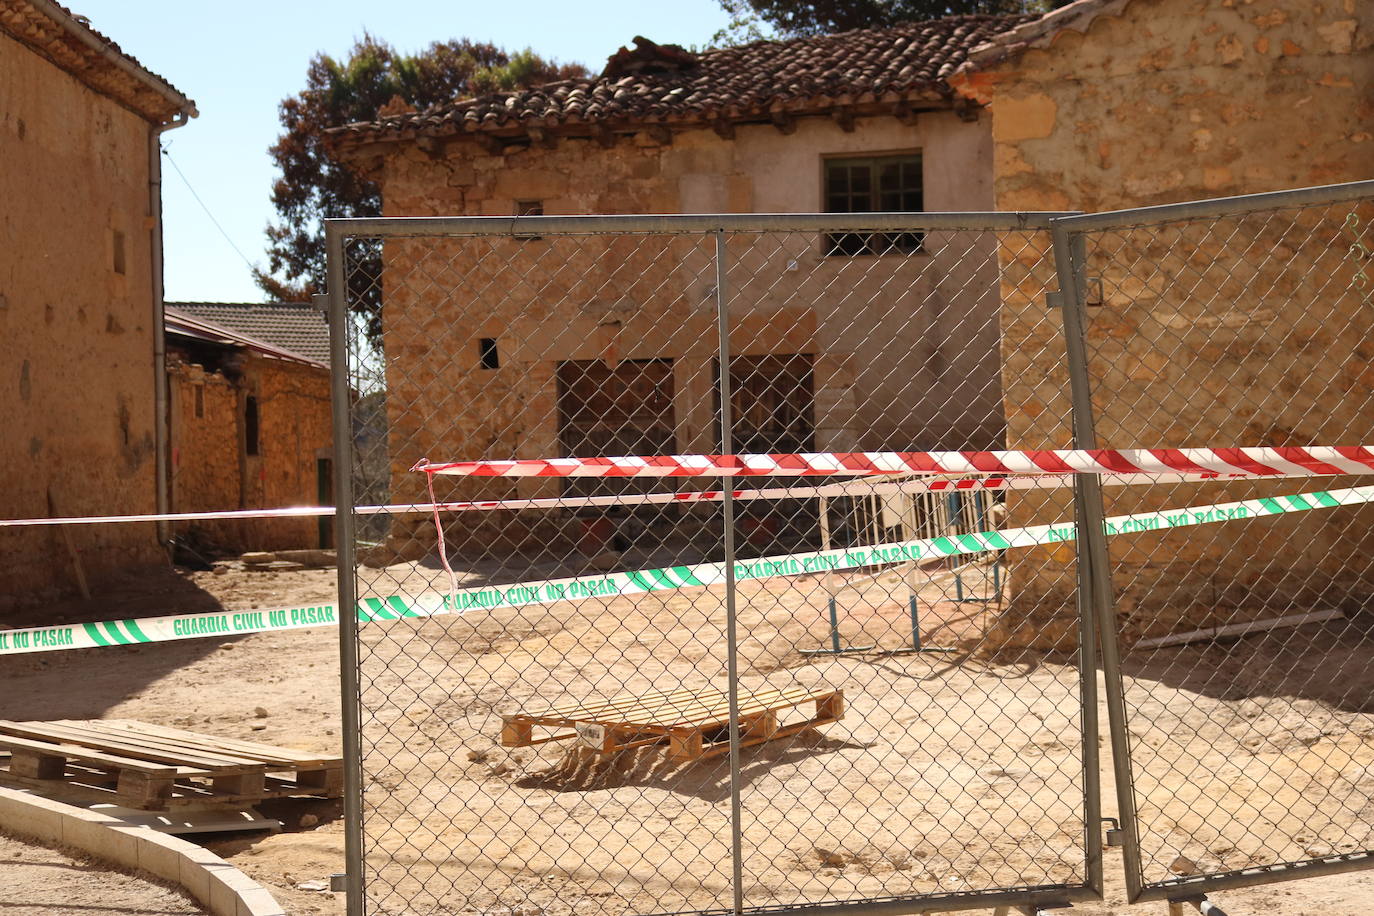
(946,773)
(36,881)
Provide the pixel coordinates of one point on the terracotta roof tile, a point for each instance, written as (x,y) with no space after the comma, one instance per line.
(291,326)
(1040,33)
(663,83)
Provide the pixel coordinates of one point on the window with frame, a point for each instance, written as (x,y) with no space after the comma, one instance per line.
(874,184)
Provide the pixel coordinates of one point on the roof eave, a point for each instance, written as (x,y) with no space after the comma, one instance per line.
(358,142)
(178,103)
(181,322)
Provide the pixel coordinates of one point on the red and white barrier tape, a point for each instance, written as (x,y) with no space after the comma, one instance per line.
(1248,462)
(848,488)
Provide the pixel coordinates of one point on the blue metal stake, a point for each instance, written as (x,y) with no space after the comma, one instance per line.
(916,632)
(834,627)
(835,647)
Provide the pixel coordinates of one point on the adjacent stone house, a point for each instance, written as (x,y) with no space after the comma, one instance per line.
(80,290)
(1104,104)
(1202,339)
(250,420)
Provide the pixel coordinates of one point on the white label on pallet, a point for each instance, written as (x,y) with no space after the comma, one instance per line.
(591,735)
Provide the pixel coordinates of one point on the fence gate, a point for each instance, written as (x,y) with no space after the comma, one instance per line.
(646,695)
(1237,322)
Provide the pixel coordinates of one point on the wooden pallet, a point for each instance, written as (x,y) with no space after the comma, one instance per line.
(694,723)
(138,765)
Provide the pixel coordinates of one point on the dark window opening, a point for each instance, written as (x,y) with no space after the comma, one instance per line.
(250,426)
(118,251)
(880,184)
(324,496)
(486,352)
(200,402)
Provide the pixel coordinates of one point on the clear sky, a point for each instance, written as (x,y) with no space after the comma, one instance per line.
(238,61)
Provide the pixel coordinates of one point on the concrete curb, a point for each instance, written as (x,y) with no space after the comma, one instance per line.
(218,886)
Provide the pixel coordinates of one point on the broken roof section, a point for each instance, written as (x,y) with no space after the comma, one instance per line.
(865,71)
(68,40)
(283,330)
(1040,32)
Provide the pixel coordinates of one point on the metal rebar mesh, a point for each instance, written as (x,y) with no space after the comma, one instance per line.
(1250,752)
(867,774)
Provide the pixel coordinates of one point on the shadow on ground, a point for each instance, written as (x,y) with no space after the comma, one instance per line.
(39,685)
(1325,662)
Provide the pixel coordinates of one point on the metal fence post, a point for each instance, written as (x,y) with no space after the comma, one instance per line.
(1094,566)
(1092,758)
(341,395)
(731,636)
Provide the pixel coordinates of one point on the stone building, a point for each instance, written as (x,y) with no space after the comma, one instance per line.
(250,420)
(1103,104)
(80,290)
(617,352)
(1110,104)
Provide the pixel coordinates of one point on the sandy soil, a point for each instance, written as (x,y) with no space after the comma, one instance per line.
(36,881)
(946,774)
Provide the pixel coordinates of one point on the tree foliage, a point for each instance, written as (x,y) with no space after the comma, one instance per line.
(799,18)
(313,186)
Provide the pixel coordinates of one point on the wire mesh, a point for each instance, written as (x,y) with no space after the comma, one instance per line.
(903,732)
(1253,755)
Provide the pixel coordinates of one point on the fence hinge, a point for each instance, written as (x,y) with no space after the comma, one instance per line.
(1092,294)
(320,302)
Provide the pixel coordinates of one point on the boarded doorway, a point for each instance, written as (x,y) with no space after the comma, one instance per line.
(620,409)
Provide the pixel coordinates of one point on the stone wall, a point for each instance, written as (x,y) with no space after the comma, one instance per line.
(1209,332)
(904,348)
(211,470)
(76,323)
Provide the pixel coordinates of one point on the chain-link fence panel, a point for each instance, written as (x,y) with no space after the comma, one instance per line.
(648,694)
(1246,641)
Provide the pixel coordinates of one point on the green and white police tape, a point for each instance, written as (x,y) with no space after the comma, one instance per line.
(700,575)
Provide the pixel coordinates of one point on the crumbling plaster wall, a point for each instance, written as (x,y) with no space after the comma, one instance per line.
(1156,101)
(909,331)
(76,333)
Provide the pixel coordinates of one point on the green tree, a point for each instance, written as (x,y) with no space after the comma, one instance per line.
(313,186)
(799,18)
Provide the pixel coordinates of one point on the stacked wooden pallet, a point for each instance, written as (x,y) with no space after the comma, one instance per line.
(138,765)
(694,723)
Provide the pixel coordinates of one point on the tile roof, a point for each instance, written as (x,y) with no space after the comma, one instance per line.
(1041,32)
(663,84)
(292,326)
(69,42)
